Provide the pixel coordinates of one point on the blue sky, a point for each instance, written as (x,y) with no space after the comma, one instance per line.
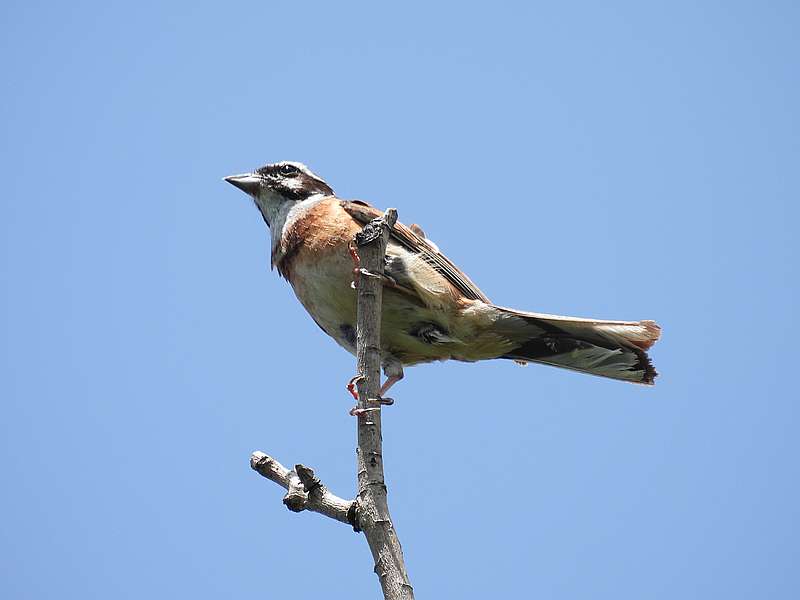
(618,160)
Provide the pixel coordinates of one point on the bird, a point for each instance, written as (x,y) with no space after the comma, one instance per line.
(431,310)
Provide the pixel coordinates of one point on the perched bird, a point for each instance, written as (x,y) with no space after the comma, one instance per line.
(432,310)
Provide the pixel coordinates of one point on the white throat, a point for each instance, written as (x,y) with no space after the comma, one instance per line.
(281,213)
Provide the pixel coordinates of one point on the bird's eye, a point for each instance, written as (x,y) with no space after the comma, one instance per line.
(288,170)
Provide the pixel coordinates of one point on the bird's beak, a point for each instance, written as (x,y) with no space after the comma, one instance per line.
(247,182)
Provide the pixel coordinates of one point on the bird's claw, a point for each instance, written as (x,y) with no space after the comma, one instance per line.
(351,386)
(360,272)
(358,412)
(351,247)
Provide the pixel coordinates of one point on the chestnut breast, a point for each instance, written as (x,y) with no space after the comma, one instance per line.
(316,262)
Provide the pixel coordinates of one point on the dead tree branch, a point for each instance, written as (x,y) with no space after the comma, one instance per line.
(369,512)
(304,490)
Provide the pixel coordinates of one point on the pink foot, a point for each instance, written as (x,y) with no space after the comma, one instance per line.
(357,412)
(351,387)
(360,412)
(357,264)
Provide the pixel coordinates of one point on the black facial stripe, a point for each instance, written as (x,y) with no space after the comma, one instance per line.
(298,185)
(268,170)
(276,169)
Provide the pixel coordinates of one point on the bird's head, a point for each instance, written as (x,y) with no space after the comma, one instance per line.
(278,186)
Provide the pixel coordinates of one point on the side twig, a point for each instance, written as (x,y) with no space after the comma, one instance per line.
(369,512)
(304,490)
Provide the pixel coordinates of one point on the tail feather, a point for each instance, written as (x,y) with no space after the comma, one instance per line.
(615,349)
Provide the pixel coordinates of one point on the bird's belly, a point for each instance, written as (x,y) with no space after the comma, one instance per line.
(323,288)
(410,331)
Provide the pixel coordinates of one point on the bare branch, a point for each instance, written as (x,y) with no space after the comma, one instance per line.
(303,493)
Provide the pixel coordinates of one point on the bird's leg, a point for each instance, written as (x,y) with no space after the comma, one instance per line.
(393,369)
(385,279)
(356,271)
(390,381)
(356,411)
(351,387)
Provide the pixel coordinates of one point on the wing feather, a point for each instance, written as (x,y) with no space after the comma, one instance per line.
(428,251)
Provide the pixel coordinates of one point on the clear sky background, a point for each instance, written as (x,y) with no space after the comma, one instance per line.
(617,160)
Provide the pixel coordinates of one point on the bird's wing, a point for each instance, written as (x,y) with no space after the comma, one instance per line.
(419,245)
